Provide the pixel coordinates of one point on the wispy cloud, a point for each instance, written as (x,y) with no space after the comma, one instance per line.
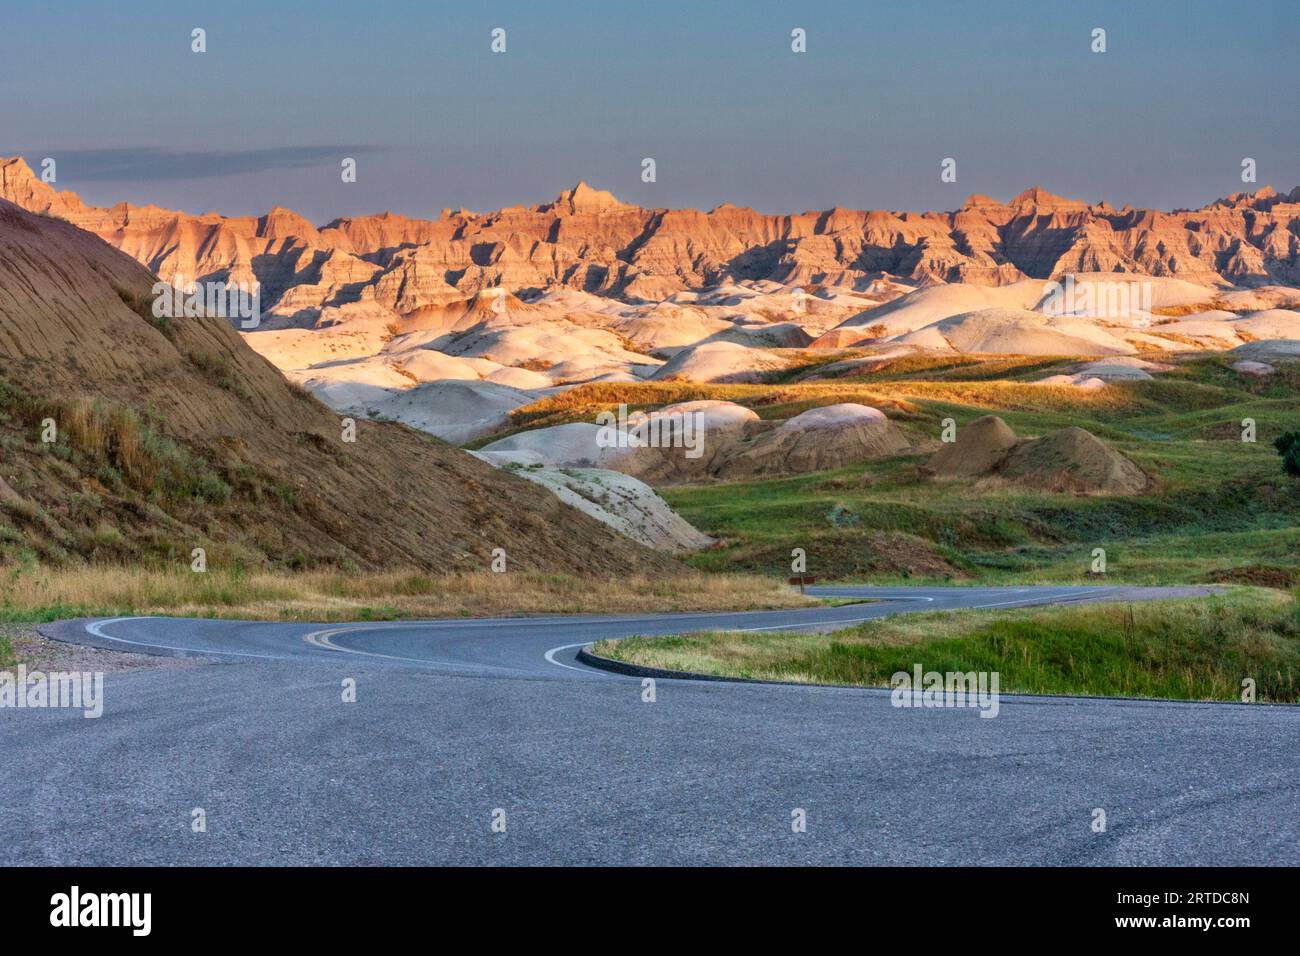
(153,164)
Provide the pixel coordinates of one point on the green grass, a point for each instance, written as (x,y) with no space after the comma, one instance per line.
(863,520)
(1219,503)
(7,656)
(1191,649)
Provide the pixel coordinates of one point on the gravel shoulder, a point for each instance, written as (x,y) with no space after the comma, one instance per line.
(39,652)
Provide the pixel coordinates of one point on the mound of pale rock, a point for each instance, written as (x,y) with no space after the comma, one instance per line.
(667,327)
(1212,330)
(722,440)
(979,448)
(829,437)
(352,386)
(935,303)
(575,444)
(665,447)
(712,415)
(1263,297)
(1269,350)
(1099,374)
(454,410)
(720,362)
(426,365)
(1257,369)
(1096,292)
(1120,367)
(626,504)
(544,344)
(520,378)
(780,335)
(1017,332)
(1073,459)
(675,442)
(1080,380)
(1270,324)
(842,338)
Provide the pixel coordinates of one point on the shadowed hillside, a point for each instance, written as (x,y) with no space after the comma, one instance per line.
(173,434)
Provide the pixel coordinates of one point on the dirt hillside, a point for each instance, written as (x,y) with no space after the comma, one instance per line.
(1071,459)
(1074,459)
(173,434)
(979,447)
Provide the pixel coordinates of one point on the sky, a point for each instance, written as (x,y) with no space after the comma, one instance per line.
(710,89)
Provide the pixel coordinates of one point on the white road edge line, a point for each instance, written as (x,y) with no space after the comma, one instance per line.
(97,629)
(550,659)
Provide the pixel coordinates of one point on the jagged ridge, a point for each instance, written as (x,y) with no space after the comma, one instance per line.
(586,239)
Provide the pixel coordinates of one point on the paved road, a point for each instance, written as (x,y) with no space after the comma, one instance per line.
(455,720)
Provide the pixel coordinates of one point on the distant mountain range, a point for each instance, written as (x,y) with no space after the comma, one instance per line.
(586,239)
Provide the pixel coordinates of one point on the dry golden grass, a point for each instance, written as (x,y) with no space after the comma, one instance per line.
(1178,311)
(584,402)
(46,593)
(109,432)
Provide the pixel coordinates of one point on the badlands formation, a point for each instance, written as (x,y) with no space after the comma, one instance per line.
(453,324)
(177,435)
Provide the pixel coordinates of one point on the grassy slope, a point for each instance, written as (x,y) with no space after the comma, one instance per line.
(1198,649)
(1223,509)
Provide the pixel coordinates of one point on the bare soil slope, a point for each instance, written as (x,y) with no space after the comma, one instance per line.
(1071,459)
(174,434)
(1074,459)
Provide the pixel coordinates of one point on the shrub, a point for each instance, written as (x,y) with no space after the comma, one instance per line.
(1288,446)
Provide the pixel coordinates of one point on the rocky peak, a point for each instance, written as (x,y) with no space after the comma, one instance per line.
(21,186)
(281,223)
(1037,198)
(583,198)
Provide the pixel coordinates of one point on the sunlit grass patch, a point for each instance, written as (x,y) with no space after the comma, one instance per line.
(48,593)
(1191,649)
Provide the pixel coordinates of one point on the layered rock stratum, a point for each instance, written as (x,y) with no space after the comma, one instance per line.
(588,240)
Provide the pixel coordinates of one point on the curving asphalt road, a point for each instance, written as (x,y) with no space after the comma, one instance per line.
(455,720)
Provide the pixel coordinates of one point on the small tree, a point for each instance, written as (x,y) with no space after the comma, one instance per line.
(1288,446)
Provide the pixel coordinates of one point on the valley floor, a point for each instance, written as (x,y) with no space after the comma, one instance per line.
(1221,510)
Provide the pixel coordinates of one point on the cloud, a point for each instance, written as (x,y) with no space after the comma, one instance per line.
(154,164)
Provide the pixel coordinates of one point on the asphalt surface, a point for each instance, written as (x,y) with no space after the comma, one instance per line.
(458,723)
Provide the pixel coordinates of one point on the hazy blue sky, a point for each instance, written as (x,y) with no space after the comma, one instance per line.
(711,90)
